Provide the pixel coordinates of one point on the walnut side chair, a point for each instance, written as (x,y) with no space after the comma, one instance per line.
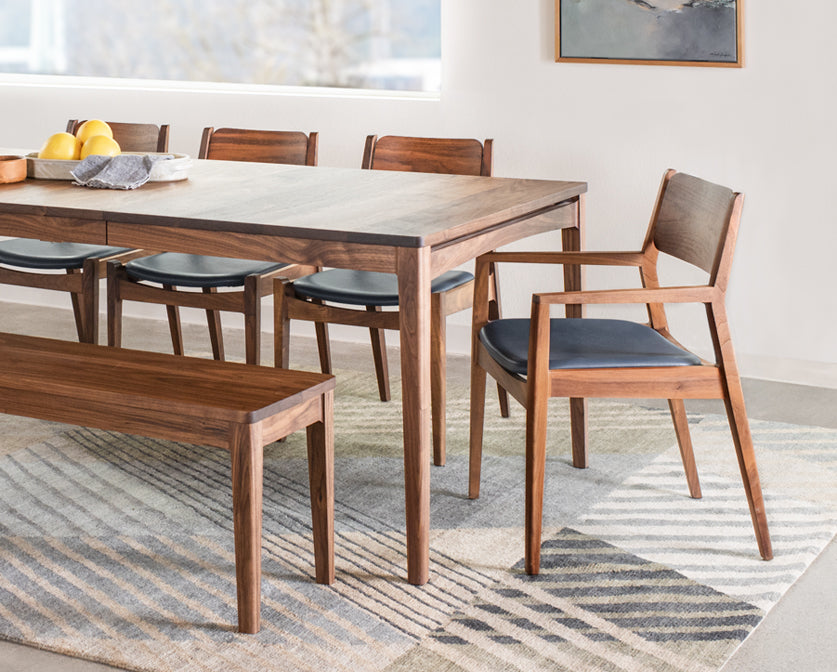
(83,264)
(310,297)
(168,271)
(542,357)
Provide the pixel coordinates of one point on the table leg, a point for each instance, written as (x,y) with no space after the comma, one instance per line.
(413,268)
(572,240)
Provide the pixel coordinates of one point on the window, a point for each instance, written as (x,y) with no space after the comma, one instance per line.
(375,44)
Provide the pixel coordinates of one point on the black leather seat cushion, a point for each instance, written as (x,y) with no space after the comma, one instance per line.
(41,254)
(584,344)
(366,288)
(193,270)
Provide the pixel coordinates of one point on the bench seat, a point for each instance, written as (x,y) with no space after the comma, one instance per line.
(227,405)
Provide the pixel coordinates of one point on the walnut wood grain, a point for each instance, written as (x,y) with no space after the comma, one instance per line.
(230,144)
(348,218)
(692,220)
(447,156)
(82,227)
(265,146)
(226,405)
(414,311)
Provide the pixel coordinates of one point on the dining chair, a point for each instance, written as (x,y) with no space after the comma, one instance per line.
(83,264)
(542,357)
(133,137)
(370,299)
(161,278)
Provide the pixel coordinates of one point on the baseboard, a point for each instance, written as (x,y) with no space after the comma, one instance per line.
(785,370)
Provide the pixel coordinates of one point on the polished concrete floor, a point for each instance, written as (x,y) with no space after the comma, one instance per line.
(798,634)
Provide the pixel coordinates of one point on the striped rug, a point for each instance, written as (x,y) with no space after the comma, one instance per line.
(119,549)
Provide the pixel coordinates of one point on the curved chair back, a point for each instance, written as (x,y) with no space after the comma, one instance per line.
(240,144)
(453,156)
(133,137)
(691,219)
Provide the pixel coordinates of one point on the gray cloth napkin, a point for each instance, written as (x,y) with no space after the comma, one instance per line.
(123,171)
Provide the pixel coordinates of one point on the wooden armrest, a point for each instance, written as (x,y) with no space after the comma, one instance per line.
(581,258)
(688,294)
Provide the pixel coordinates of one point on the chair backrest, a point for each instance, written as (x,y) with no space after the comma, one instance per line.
(133,137)
(692,221)
(239,144)
(428,155)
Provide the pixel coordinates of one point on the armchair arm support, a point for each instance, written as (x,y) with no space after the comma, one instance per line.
(687,294)
(584,258)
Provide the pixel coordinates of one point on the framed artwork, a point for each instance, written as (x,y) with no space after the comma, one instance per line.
(655,32)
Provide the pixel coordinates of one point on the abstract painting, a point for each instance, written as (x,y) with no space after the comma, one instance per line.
(659,32)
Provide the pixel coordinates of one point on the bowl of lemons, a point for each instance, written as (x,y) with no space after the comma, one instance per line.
(62,152)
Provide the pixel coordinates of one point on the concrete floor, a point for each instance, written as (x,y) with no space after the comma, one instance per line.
(798,634)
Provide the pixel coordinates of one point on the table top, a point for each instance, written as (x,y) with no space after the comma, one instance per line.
(340,204)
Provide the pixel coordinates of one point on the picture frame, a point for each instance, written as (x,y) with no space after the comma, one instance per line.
(650,32)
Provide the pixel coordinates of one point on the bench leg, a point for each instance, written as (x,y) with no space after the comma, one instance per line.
(247,471)
(321,480)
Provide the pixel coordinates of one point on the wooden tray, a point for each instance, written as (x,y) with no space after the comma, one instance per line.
(57,169)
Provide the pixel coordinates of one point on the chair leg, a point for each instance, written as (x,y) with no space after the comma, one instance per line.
(379,354)
(494,314)
(115,274)
(323,344)
(77,316)
(743,440)
(281,324)
(438,376)
(321,484)
(536,415)
(213,321)
(89,300)
(684,441)
(175,329)
(478,383)
(578,431)
(252,320)
(739,426)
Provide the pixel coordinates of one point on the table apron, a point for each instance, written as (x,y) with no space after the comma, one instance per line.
(254,246)
(360,256)
(451,254)
(52,228)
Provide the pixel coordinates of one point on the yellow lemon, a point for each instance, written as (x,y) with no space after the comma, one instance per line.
(100,144)
(93,127)
(61,146)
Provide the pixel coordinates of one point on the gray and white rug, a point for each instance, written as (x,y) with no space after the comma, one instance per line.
(119,548)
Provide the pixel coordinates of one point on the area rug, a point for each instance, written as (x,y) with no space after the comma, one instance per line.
(118,549)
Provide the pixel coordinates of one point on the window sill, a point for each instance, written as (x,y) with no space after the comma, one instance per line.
(107,83)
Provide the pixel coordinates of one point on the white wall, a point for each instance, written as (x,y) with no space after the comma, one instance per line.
(766,130)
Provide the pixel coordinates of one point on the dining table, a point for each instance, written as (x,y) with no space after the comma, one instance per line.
(415,225)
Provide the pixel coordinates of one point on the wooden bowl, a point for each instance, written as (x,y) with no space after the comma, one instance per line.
(12,169)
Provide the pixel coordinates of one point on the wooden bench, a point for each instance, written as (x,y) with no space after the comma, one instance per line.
(228,405)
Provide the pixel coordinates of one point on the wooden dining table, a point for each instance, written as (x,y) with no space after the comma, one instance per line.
(415,225)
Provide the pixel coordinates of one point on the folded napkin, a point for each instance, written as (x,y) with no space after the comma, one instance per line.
(123,171)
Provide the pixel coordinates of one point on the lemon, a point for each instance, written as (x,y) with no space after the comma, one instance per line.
(100,144)
(93,127)
(61,146)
